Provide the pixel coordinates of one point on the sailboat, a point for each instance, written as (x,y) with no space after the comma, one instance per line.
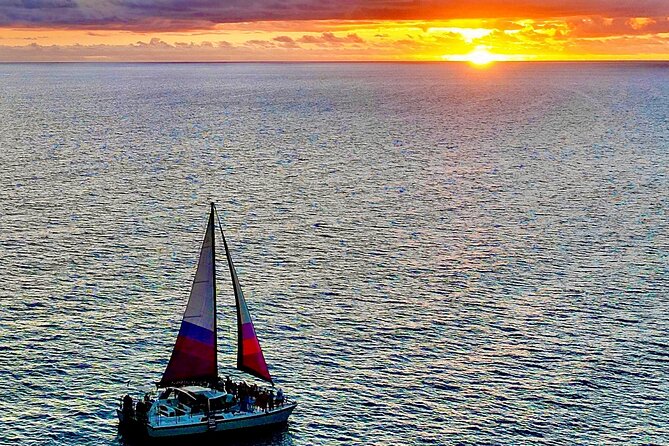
(190,397)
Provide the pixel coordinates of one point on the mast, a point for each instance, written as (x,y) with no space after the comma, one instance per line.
(213,282)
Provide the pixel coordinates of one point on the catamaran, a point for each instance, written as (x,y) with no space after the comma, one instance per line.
(191,398)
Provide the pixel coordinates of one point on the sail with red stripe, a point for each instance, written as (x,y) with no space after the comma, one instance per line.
(194,356)
(249,354)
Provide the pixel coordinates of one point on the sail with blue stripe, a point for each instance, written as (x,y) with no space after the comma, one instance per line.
(193,358)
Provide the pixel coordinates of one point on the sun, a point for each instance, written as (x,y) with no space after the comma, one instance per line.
(480,56)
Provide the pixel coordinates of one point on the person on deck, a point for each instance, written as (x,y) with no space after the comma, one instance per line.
(128,409)
(279,398)
(245,403)
(270,400)
(265,401)
(260,401)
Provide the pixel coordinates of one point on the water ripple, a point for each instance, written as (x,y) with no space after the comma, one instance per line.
(432,255)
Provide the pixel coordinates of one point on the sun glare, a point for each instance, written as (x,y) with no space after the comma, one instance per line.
(480,56)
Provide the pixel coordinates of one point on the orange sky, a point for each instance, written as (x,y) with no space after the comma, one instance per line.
(98,34)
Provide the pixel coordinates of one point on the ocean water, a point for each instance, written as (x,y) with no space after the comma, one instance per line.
(433,254)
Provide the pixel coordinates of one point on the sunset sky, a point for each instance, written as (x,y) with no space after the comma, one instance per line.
(320,30)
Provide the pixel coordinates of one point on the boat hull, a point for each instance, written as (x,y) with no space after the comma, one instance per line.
(231,424)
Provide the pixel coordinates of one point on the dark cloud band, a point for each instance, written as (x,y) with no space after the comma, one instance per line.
(154,15)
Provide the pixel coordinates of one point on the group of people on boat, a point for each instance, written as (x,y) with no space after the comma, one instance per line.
(241,397)
(137,412)
(252,397)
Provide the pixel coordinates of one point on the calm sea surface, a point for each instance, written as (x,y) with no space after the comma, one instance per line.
(433,254)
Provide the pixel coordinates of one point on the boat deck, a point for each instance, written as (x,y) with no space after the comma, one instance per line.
(197,418)
(197,410)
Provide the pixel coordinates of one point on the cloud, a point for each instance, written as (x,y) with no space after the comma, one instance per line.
(284,39)
(155,15)
(286,42)
(604,27)
(256,43)
(156,49)
(330,39)
(154,42)
(328,46)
